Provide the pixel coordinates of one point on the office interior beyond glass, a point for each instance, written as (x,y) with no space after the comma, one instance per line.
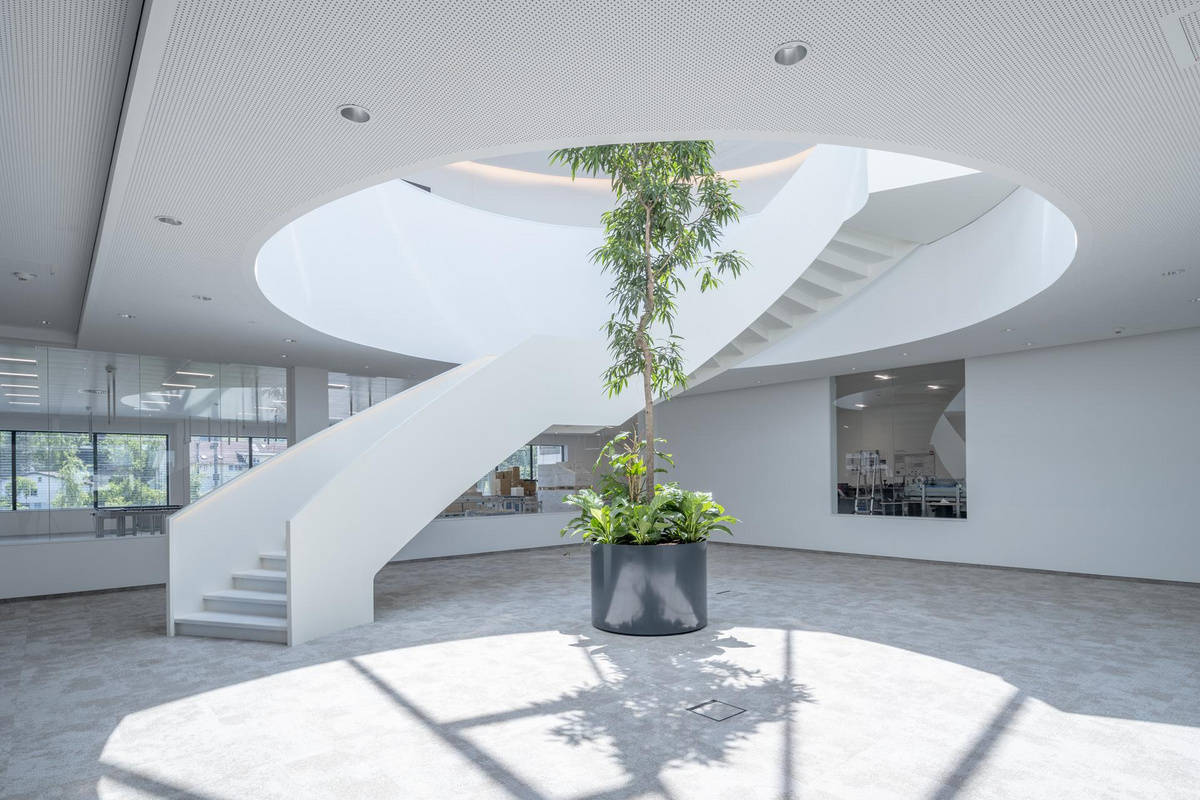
(901,440)
(107,445)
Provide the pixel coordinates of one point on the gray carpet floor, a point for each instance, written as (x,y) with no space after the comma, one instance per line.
(860,678)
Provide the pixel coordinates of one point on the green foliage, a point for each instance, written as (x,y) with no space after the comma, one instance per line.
(26,487)
(75,479)
(626,476)
(671,209)
(695,516)
(615,516)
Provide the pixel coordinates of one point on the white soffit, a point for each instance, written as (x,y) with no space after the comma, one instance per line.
(232,126)
(63,69)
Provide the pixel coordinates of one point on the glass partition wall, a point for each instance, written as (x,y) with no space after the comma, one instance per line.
(96,444)
(900,439)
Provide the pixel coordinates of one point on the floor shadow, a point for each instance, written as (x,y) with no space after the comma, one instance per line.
(638,713)
(72,668)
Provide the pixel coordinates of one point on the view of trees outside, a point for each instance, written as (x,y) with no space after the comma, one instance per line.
(59,470)
(131,469)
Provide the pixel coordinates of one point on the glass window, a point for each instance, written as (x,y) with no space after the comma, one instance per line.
(901,442)
(131,469)
(6,498)
(264,448)
(54,470)
(520,459)
(212,460)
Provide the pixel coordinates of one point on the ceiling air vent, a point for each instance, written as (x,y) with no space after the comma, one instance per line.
(1182,30)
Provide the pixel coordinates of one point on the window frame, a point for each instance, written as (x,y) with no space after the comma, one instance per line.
(12,434)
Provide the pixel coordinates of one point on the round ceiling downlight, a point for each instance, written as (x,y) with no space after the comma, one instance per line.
(168,220)
(790,53)
(354,113)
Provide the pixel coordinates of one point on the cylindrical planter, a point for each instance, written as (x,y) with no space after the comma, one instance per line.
(650,590)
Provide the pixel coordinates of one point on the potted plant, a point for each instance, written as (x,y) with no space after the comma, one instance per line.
(649,540)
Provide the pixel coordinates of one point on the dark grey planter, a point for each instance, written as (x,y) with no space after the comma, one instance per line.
(650,590)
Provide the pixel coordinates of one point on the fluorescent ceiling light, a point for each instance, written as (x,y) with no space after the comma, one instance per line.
(167,394)
(22,403)
(860,405)
(339,386)
(19,374)
(884,377)
(17,386)
(193,374)
(19,360)
(15,394)
(180,385)
(156,402)
(933,386)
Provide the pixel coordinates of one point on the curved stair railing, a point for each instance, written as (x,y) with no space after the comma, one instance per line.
(302,536)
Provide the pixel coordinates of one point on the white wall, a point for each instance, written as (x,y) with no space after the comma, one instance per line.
(79,566)
(462,535)
(1080,458)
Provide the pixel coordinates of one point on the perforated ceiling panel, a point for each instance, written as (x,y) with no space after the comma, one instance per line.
(63,67)
(235,130)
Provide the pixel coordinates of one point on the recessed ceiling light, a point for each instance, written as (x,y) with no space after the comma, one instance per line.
(19,394)
(354,113)
(168,220)
(180,385)
(290,340)
(883,377)
(1029,344)
(933,386)
(202,297)
(1118,331)
(790,53)
(904,354)
(18,386)
(23,403)
(845,426)
(156,402)
(19,374)
(18,360)
(193,374)
(1008,330)
(44,323)
(860,405)
(24,276)
(1196,299)
(123,315)
(1174,273)
(283,355)
(339,386)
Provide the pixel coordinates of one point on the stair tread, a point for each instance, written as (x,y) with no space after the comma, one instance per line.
(263,574)
(249,595)
(275,554)
(234,620)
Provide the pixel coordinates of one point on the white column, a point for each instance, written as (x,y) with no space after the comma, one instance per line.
(308,402)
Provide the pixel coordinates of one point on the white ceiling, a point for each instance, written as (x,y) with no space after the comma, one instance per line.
(63,77)
(231,125)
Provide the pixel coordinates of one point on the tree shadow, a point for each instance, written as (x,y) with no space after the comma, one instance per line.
(637,714)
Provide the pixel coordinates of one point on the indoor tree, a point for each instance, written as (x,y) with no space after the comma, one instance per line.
(671,209)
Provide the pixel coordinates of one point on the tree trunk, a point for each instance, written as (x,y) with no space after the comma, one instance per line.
(648,364)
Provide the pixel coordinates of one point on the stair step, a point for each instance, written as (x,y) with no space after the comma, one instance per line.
(261,580)
(855,252)
(841,273)
(232,626)
(246,601)
(273,560)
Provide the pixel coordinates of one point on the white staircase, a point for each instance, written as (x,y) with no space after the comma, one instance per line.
(343,502)
(255,608)
(850,261)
